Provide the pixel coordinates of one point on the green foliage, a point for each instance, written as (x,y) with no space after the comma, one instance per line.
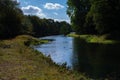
(95,16)
(36,25)
(65,28)
(12,21)
(90,27)
(101,11)
(44,27)
(77,10)
(34,41)
(105,15)
(27,26)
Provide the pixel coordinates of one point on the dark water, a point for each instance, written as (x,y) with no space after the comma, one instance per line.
(95,60)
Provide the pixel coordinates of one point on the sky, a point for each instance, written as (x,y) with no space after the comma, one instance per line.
(50,9)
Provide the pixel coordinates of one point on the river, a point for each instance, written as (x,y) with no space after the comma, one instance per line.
(95,60)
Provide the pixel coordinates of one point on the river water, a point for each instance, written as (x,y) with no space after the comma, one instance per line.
(95,60)
(60,49)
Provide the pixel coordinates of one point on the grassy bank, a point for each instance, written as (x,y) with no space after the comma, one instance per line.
(94,38)
(18,61)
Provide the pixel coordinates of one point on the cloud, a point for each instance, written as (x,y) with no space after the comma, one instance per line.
(53,6)
(68,21)
(33,10)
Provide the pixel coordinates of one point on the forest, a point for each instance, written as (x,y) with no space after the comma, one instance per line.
(87,17)
(13,22)
(97,17)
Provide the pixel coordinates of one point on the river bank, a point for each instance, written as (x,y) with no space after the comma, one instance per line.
(94,38)
(18,61)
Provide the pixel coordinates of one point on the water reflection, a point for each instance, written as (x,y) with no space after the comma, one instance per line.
(96,60)
(60,49)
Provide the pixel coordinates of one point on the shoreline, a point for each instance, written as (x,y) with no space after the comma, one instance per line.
(19,61)
(94,38)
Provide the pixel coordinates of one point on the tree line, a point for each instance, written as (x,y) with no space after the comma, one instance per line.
(13,22)
(95,17)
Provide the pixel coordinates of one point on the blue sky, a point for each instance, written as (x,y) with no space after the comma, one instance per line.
(50,9)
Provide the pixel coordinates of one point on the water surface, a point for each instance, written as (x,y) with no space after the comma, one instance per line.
(95,60)
(60,49)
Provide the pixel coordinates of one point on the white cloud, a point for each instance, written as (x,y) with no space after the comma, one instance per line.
(55,13)
(62,20)
(53,6)
(33,10)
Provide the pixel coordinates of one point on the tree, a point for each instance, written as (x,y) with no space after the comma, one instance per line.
(44,27)
(11,19)
(37,26)
(27,27)
(77,10)
(106,15)
(95,16)
(65,28)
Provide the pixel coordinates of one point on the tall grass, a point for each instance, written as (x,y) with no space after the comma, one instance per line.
(21,62)
(94,38)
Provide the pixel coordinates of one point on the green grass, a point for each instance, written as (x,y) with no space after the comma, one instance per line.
(21,62)
(94,38)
